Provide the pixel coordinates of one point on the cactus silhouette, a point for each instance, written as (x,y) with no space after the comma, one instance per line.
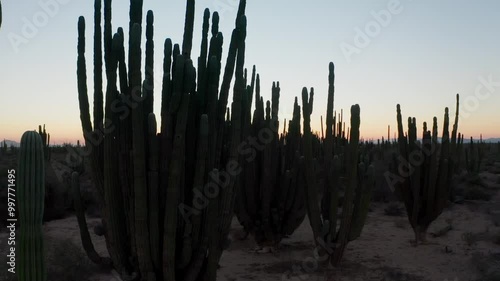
(340,161)
(270,196)
(155,227)
(31,195)
(425,185)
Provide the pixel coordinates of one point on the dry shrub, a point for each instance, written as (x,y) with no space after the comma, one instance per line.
(488,266)
(66,261)
(476,192)
(402,223)
(394,210)
(470,238)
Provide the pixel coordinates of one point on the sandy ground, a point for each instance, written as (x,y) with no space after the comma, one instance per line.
(383,252)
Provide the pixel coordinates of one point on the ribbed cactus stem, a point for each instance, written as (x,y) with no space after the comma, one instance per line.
(98,92)
(31,195)
(87,244)
(352,181)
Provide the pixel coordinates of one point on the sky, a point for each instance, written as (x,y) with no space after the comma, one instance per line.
(418,53)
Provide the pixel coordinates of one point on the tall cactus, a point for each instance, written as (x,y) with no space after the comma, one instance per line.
(424,171)
(148,187)
(270,195)
(31,195)
(342,168)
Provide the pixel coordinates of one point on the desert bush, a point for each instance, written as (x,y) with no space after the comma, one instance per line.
(477,193)
(401,223)
(394,209)
(470,238)
(66,261)
(474,179)
(488,266)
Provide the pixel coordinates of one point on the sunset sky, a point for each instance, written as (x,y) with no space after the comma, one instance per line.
(418,53)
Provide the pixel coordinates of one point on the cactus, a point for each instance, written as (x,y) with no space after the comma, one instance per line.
(271,202)
(340,162)
(474,154)
(87,244)
(425,184)
(31,194)
(4,147)
(45,141)
(150,193)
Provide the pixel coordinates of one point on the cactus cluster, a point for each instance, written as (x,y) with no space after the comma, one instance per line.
(270,194)
(425,169)
(4,147)
(167,197)
(474,154)
(30,198)
(341,163)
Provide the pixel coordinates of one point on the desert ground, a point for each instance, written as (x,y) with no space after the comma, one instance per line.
(464,243)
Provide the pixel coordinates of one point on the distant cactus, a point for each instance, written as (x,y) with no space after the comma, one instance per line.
(474,154)
(31,195)
(45,140)
(4,147)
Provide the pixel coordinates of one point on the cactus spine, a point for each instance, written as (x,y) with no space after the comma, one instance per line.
(31,195)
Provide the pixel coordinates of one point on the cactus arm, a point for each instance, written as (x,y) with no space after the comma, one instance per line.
(311,193)
(352,178)
(98,91)
(87,244)
(153,182)
(177,170)
(187,42)
(139,160)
